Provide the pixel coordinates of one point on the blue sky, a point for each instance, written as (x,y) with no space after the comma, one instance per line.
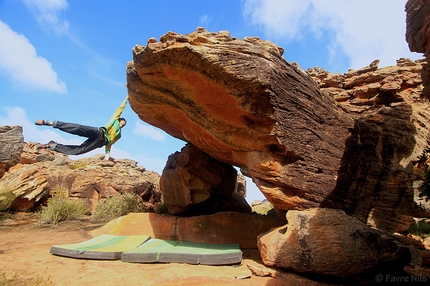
(65,59)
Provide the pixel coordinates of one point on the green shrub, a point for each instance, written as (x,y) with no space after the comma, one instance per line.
(15,281)
(60,208)
(6,200)
(77,166)
(424,188)
(161,208)
(420,228)
(116,206)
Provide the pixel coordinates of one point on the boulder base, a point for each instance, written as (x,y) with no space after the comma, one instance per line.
(329,242)
(219,228)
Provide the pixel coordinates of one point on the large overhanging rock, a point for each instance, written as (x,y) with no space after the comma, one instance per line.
(240,102)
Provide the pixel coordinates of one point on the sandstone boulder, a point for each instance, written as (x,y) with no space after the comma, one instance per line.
(329,242)
(219,228)
(193,183)
(418,34)
(392,123)
(241,103)
(11,146)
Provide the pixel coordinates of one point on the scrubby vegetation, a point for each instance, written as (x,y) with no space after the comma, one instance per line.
(15,281)
(77,166)
(61,208)
(6,200)
(424,188)
(420,228)
(116,206)
(161,208)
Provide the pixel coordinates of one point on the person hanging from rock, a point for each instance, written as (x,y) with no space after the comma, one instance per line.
(97,136)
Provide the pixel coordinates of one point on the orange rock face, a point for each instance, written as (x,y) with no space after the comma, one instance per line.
(307,140)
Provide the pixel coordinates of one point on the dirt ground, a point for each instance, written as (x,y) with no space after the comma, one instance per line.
(25,260)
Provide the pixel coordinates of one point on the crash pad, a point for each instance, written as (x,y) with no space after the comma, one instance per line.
(167,251)
(103,247)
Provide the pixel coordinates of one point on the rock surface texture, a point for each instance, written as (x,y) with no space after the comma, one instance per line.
(329,242)
(349,146)
(11,146)
(390,133)
(199,184)
(219,228)
(91,179)
(418,34)
(241,103)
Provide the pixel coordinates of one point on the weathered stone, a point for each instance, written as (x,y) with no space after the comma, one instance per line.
(418,35)
(90,179)
(241,103)
(391,132)
(31,155)
(241,186)
(11,146)
(219,228)
(193,183)
(329,242)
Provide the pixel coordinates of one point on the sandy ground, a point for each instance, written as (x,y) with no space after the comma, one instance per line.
(25,260)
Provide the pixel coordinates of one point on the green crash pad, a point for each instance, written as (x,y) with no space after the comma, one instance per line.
(103,247)
(166,251)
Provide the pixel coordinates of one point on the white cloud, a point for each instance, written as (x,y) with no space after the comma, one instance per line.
(32,133)
(363,30)
(146,130)
(46,14)
(205,20)
(20,62)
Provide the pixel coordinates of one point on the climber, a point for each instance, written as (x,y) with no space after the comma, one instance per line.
(97,136)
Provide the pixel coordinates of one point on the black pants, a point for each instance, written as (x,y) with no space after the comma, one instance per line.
(95,135)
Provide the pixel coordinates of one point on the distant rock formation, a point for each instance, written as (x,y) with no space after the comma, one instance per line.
(349,145)
(91,179)
(11,146)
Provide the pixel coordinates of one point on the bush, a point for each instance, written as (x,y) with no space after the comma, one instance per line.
(6,200)
(116,206)
(420,228)
(77,166)
(424,188)
(60,208)
(161,208)
(40,280)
